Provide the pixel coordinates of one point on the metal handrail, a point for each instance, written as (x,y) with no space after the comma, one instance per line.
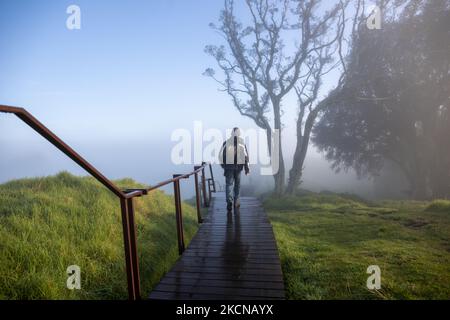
(126,196)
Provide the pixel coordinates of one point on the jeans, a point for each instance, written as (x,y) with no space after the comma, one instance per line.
(232,176)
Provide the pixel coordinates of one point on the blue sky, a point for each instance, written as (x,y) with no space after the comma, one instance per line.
(131,75)
(145,57)
(114,90)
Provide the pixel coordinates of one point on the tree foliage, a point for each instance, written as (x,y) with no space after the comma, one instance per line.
(395,103)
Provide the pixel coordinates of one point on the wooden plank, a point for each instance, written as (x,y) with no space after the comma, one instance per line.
(223,283)
(163,295)
(221,264)
(229,291)
(250,252)
(233,256)
(225,276)
(247,257)
(242,269)
(235,259)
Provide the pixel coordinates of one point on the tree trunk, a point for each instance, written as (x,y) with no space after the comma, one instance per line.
(419,190)
(421,177)
(279,177)
(301,149)
(439,173)
(415,176)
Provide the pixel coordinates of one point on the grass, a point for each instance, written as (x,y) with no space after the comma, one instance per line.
(47,224)
(439,206)
(327,241)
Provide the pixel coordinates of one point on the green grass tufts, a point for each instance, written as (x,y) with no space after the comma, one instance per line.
(47,224)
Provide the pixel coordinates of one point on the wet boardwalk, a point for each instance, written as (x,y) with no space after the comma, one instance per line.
(232,256)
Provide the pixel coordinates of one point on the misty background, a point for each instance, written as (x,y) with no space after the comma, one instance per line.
(116,90)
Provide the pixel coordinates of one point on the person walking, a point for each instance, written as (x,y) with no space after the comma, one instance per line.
(233,158)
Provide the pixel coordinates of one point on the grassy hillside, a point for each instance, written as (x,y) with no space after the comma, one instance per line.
(47,224)
(327,241)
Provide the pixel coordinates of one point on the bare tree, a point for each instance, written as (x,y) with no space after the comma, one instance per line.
(262,66)
(327,55)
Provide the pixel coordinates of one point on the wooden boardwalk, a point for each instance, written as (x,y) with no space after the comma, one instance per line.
(232,256)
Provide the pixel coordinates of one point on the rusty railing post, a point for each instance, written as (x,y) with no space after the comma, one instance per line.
(205,200)
(179,214)
(133,294)
(209,191)
(133,247)
(212,177)
(197,195)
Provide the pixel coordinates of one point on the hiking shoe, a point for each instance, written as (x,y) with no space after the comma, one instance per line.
(229,206)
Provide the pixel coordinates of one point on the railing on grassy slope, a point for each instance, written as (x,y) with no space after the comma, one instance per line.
(126,196)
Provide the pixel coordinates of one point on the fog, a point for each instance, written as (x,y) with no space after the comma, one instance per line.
(148,160)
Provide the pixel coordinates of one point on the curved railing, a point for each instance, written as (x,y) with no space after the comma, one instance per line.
(126,196)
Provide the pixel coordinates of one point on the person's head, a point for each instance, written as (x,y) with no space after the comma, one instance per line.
(236,132)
